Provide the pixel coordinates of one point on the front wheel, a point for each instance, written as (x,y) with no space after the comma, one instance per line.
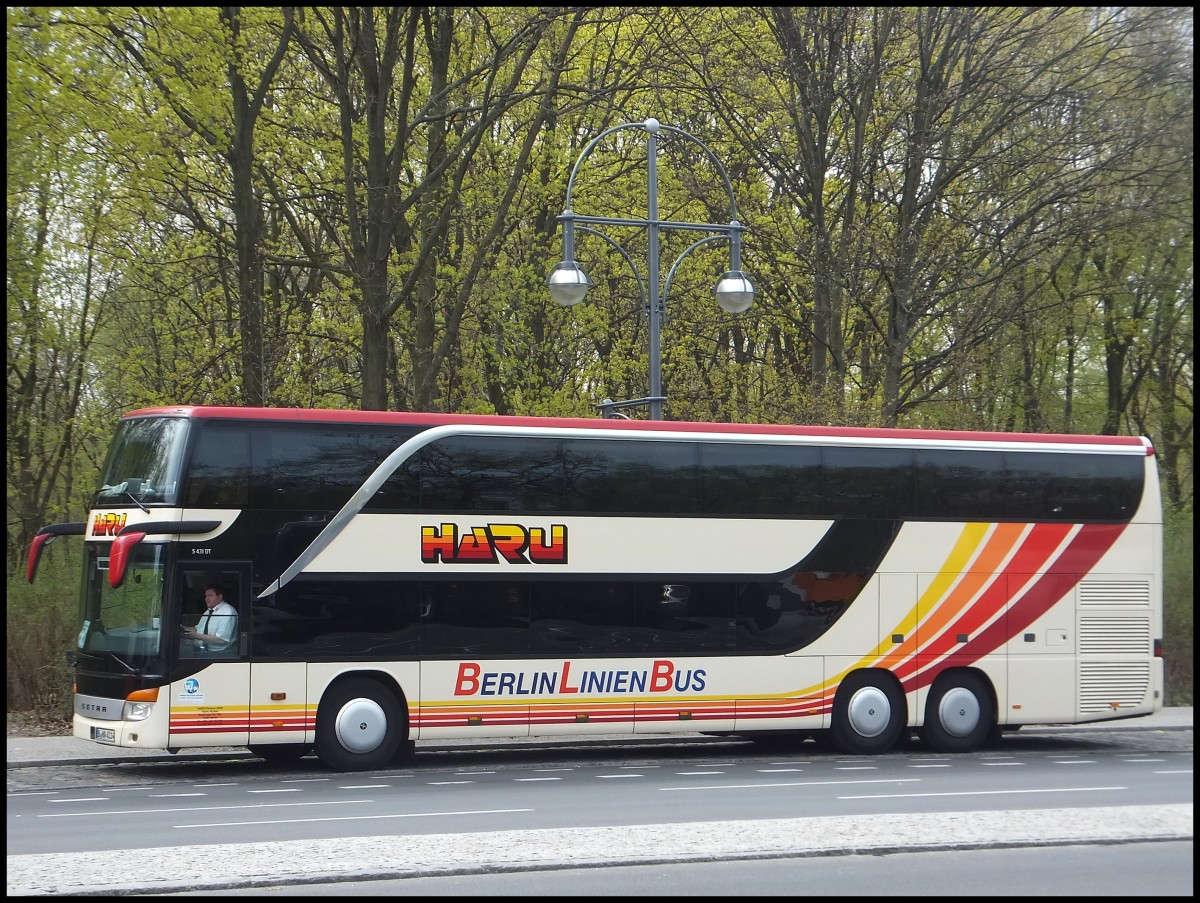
(959,714)
(360,725)
(869,713)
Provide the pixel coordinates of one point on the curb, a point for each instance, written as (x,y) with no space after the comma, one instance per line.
(291,862)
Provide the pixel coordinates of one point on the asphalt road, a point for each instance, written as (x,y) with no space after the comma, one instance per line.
(345,854)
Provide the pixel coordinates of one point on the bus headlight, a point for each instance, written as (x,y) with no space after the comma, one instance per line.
(139,704)
(137,711)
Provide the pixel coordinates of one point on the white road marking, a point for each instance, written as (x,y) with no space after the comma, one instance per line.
(792,784)
(889,796)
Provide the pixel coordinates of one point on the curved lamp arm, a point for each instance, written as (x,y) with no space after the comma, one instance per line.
(678,260)
(629,260)
(568,283)
(653,126)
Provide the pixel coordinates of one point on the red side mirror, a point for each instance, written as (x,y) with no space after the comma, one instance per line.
(35,554)
(118,556)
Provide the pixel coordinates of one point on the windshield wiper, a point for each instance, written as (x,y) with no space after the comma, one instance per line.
(124,664)
(74,655)
(123,488)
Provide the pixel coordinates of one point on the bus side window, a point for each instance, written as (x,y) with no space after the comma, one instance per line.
(583,616)
(220,470)
(475,617)
(685,618)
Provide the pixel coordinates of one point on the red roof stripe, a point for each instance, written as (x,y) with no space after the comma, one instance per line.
(409,418)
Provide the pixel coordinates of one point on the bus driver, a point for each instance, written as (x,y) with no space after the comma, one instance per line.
(218,625)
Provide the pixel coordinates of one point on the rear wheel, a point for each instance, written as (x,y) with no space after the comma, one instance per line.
(869,713)
(360,725)
(959,714)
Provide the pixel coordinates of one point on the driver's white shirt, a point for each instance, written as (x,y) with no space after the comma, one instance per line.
(220,621)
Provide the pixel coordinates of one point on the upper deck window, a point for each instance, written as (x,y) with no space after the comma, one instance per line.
(284,467)
(144,463)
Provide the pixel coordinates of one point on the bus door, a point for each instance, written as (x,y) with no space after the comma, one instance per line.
(285,625)
(210,700)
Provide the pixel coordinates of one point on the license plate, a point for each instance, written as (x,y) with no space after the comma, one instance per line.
(104,734)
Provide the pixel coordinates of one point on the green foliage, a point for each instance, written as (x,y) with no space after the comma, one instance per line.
(40,628)
(1178,606)
(962,218)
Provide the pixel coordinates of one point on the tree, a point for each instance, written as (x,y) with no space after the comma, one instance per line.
(59,277)
(412,116)
(189,54)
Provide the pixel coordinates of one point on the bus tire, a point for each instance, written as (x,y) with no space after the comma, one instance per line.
(959,713)
(360,725)
(281,753)
(869,713)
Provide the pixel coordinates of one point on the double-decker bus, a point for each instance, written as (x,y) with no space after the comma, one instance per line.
(404,576)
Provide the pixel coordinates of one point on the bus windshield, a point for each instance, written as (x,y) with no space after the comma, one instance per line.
(144,463)
(123,626)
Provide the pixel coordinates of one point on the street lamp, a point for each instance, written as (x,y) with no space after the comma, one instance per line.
(568,283)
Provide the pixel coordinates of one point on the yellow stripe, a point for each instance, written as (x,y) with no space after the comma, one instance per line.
(964,550)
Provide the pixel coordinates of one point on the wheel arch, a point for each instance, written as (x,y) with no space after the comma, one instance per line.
(380,676)
(911,703)
(961,711)
(871,711)
(883,674)
(951,673)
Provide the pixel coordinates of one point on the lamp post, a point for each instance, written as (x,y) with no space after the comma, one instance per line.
(568,283)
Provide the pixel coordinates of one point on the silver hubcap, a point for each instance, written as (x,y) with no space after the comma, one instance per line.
(361,725)
(869,712)
(959,712)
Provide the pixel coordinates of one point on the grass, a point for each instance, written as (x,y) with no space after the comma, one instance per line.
(40,629)
(1178,584)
